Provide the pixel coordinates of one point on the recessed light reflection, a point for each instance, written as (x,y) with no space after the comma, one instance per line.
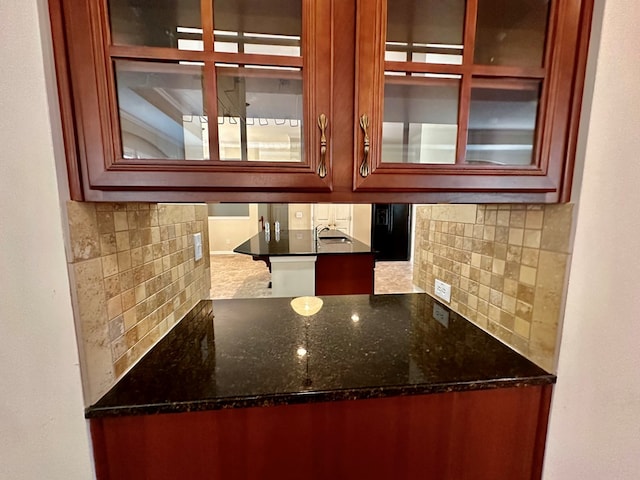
(301,351)
(355,318)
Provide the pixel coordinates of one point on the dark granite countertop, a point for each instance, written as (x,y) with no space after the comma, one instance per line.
(256,352)
(301,242)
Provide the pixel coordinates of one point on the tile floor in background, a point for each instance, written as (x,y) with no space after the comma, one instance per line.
(239,276)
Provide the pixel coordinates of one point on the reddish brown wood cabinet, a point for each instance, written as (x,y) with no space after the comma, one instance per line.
(489,434)
(222,100)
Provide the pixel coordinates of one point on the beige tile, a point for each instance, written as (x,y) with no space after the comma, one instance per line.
(490,217)
(489,233)
(90,300)
(495,298)
(105,222)
(132,220)
(135,237)
(126,280)
(527,275)
(494,313)
(510,287)
(516,236)
(450,213)
(546,307)
(110,265)
(114,307)
(530,257)
(476,260)
(108,244)
(500,251)
(502,218)
(526,293)
(514,253)
(128,299)
(483,307)
(517,219)
(509,303)
(543,339)
(507,320)
(83,230)
(512,270)
(524,311)
(124,261)
(140,292)
(522,327)
(486,262)
(498,266)
(552,270)
(532,238)
(112,286)
(556,229)
(120,221)
(483,292)
(485,277)
(534,219)
(136,257)
(130,318)
(502,234)
(122,241)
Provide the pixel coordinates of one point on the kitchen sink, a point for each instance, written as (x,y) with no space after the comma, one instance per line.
(334,240)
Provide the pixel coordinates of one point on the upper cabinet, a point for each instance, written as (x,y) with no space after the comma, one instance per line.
(187,95)
(476,95)
(320,100)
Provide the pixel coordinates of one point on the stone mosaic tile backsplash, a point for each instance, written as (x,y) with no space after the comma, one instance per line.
(507,267)
(133,276)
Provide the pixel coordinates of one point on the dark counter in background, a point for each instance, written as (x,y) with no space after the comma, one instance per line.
(343,265)
(301,242)
(356,347)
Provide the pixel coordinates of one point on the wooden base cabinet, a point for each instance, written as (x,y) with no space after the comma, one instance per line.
(485,434)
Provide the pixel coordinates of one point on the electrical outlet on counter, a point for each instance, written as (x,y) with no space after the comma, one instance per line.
(442,290)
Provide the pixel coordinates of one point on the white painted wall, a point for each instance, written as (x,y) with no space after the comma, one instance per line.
(226,233)
(595,420)
(42,430)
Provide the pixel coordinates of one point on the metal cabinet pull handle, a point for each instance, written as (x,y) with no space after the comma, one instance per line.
(364,166)
(322,166)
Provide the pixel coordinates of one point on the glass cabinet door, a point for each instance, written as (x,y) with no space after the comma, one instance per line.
(461,81)
(227,82)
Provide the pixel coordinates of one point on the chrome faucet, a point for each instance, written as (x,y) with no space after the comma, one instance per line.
(318,230)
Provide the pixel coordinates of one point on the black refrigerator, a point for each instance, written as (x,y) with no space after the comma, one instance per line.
(391,231)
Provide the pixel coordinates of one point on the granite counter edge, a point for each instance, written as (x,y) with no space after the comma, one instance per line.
(302,397)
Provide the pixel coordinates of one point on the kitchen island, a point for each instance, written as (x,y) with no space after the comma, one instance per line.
(391,386)
(303,262)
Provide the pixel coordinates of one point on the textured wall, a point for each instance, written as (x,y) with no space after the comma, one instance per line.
(133,277)
(506,265)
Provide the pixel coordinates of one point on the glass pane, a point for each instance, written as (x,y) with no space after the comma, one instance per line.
(420,122)
(161,110)
(256,26)
(156,23)
(502,122)
(511,33)
(426,31)
(260,114)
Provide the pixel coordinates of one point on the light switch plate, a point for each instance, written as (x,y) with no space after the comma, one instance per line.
(197,246)
(298,214)
(442,290)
